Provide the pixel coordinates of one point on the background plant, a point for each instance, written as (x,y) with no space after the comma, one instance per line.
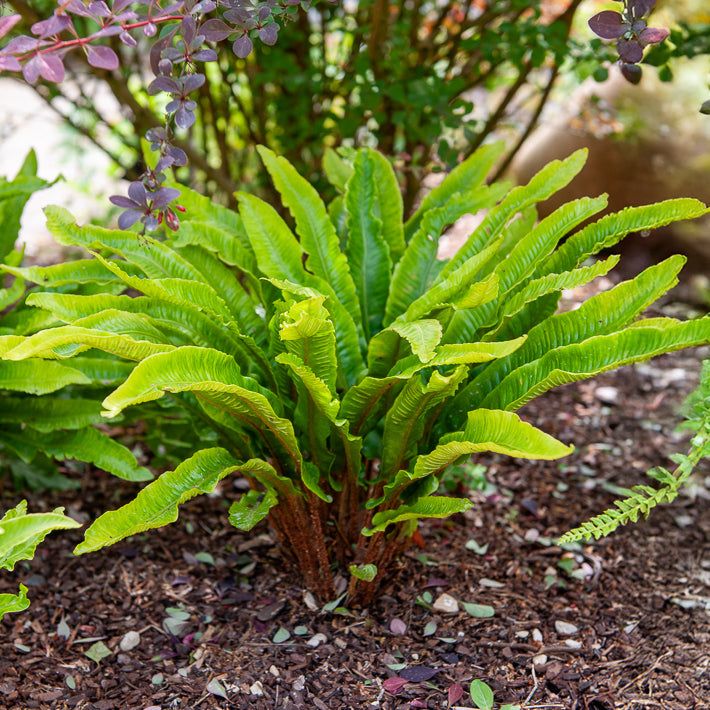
(34,430)
(640,500)
(343,368)
(427,84)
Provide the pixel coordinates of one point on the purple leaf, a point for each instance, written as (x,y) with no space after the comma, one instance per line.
(630,50)
(163,196)
(418,674)
(435,582)
(204,7)
(10,64)
(151,222)
(455,693)
(242,47)
(76,7)
(608,24)
(264,14)
(128,218)
(631,72)
(184,118)
(128,39)
(205,55)
(121,201)
(30,71)
(192,82)
(102,57)
(394,685)
(641,7)
(269,34)
(188,28)
(108,31)
(163,83)
(99,8)
(51,68)
(51,26)
(178,155)
(23,43)
(653,35)
(398,627)
(150,30)
(7,23)
(215,30)
(136,191)
(119,5)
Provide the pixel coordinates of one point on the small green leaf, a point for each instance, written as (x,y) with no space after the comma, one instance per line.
(430,629)
(479,611)
(98,651)
(216,688)
(481,695)
(281,635)
(205,558)
(364,572)
(475,547)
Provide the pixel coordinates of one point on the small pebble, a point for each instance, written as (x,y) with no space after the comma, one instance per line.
(562,627)
(257,689)
(571,643)
(275,671)
(341,643)
(299,683)
(607,395)
(447,604)
(537,635)
(522,634)
(540,659)
(129,641)
(316,640)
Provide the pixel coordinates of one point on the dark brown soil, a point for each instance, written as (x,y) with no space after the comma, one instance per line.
(636,601)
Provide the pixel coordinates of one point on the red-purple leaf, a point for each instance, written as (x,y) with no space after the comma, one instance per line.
(242,47)
(51,26)
(435,582)
(394,685)
(30,71)
(9,64)
(51,68)
(417,703)
(7,23)
(108,31)
(269,34)
(418,674)
(630,50)
(631,72)
(654,35)
(23,43)
(215,30)
(455,693)
(102,57)
(641,7)
(99,8)
(608,24)
(76,7)
(128,39)
(397,626)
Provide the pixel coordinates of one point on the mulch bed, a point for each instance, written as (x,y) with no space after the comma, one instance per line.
(221,623)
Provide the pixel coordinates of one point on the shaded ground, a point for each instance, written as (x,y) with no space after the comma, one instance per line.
(208,601)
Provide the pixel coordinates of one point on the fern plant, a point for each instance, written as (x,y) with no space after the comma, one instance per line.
(38,421)
(20,533)
(641,499)
(340,366)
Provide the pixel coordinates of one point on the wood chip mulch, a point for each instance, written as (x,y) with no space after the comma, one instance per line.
(199,615)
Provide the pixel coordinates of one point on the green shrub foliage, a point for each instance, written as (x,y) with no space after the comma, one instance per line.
(326,354)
